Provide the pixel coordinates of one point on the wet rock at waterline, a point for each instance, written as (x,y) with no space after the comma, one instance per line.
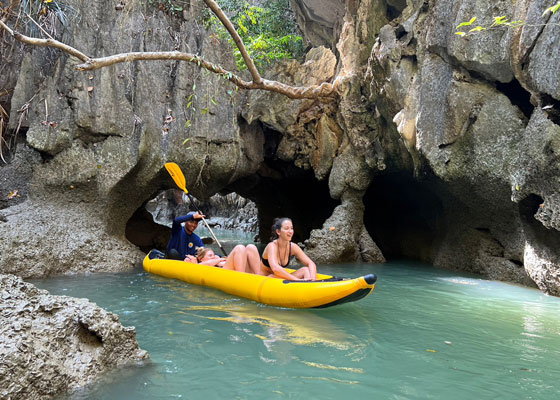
(60,236)
(53,344)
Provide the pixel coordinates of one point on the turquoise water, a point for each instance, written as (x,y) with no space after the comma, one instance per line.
(424,333)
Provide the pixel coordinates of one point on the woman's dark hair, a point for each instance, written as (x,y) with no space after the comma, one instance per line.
(276,226)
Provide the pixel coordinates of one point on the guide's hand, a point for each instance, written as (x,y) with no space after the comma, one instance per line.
(191,259)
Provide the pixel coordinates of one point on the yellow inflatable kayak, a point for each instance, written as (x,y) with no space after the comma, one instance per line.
(327,291)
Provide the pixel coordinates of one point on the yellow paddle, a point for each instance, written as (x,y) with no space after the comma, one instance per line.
(180,180)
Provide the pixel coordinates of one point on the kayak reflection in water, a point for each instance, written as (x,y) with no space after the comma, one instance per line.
(276,255)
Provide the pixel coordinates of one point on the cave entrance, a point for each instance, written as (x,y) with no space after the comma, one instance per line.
(401,215)
(281,189)
(150,226)
(278,189)
(249,206)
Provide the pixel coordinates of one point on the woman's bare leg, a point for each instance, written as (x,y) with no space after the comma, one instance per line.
(254,260)
(237,259)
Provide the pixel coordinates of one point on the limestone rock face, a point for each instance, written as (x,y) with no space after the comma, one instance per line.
(105,135)
(15,177)
(542,266)
(53,344)
(479,114)
(487,54)
(320,24)
(343,237)
(39,240)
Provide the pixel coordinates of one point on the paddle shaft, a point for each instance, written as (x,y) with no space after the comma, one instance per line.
(206,223)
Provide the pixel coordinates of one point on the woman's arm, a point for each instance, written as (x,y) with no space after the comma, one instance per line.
(214,261)
(305,260)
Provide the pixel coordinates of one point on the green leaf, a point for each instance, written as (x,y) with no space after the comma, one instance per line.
(516,23)
(204,111)
(499,20)
(188,124)
(186,140)
(189,105)
(477,29)
(466,23)
(460,33)
(552,9)
(213,101)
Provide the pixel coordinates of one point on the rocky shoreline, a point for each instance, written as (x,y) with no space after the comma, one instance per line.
(55,344)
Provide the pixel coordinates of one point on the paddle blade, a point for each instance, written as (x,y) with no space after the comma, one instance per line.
(177,175)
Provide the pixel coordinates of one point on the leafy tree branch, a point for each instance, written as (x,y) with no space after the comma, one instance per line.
(325,89)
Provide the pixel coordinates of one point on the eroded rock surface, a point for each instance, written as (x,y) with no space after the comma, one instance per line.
(53,344)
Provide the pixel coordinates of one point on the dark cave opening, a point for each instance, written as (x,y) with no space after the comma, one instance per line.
(279,190)
(395,8)
(283,190)
(529,206)
(142,231)
(402,215)
(517,95)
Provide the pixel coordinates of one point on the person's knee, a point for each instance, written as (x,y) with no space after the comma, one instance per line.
(173,254)
(239,247)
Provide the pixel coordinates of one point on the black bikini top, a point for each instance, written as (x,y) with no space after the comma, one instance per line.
(265,260)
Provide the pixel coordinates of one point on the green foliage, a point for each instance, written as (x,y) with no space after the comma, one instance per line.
(552,9)
(500,21)
(268,32)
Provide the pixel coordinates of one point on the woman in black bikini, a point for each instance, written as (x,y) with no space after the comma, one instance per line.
(276,255)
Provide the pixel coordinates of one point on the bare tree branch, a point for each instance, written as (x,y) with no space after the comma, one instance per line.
(45,43)
(294,92)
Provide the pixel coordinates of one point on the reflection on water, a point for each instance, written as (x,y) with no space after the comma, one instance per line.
(296,328)
(424,333)
(279,330)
